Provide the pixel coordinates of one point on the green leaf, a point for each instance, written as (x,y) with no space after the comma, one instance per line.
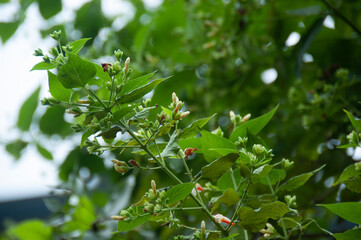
(217,168)
(229,198)
(231,237)
(136,83)
(351,211)
(172,147)
(27,111)
(15,148)
(85,136)
(78,45)
(210,141)
(349,235)
(225,181)
(7,29)
(297,181)
(76,72)
(253,126)
(49,8)
(354,184)
(52,122)
(44,152)
(191,143)
(261,172)
(43,66)
(255,220)
(31,229)
(139,92)
(195,127)
(356,123)
(178,192)
(57,90)
(274,176)
(122,112)
(349,172)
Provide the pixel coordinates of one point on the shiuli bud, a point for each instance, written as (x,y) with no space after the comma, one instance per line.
(56,35)
(358,166)
(38,53)
(118,54)
(67,48)
(53,51)
(126,65)
(46,59)
(246,118)
(286,164)
(352,137)
(258,149)
(218,132)
(117,218)
(174,98)
(290,200)
(183,115)
(117,67)
(232,116)
(154,187)
(203,228)
(237,120)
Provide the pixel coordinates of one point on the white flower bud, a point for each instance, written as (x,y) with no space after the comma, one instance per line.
(174,97)
(154,187)
(232,115)
(183,115)
(179,105)
(203,228)
(246,118)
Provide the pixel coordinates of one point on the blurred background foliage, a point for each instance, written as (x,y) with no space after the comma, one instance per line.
(219,54)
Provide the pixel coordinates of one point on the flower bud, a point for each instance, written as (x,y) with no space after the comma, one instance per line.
(67,48)
(126,65)
(117,67)
(174,98)
(258,149)
(38,53)
(179,105)
(46,59)
(290,200)
(232,115)
(218,132)
(358,166)
(286,164)
(203,228)
(53,51)
(56,35)
(117,218)
(133,163)
(154,187)
(118,54)
(352,137)
(246,118)
(183,115)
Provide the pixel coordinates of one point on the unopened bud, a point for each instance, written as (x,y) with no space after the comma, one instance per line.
(358,166)
(203,228)
(258,149)
(290,200)
(246,118)
(218,132)
(126,65)
(183,115)
(118,218)
(118,54)
(133,162)
(179,105)
(38,53)
(232,115)
(116,67)
(154,187)
(174,98)
(56,35)
(352,137)
(46,59)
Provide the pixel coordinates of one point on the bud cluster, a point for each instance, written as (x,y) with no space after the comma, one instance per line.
(176,106)
(238,119)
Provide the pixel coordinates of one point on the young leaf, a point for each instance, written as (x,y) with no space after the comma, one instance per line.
(124,226)
(44,152)
(43,66)
(57,90)
(76,72)
(255,220)
(136,83)
(194,128)
(85,136)
(349,172)
(27,111)
(261,172)
(349,235)
(351,211)
(355,122)
(31,229)
(139,92)
(297,181)
(172,147)
(217,168)
(210,141)
(78,45)
(178,192)
(253,126)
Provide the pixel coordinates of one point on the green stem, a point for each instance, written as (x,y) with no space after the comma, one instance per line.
(284,228)
(111,92)
(233,180)
(270,186)
(245,234)
(98,99)
(180,209)
(187,168)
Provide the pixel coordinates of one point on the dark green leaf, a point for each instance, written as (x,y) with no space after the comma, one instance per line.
(352,234)
(49,8)
(225,181)
(356,123)
(15,148)
(57,90)
(261,172)
(43,66)
(217,168)
(274,176)
(44,152)
(231,237)
(139,92)
(52,122)
(119,114)
(253,126)
(297,181)
(347,173)
(351,211)
(78,45)
(76,72)
(27,111)
(195,127)
(229,198)
(85,136)
(178,192)
(136,83)
(255,220)
(7,29)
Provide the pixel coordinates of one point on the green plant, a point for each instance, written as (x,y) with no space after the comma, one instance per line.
(236,178)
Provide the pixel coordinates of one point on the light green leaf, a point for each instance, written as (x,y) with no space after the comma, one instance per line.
(136,83)
(78,45)
(85,136)
(351,211)
(195,127)
(347,173)
(229,198)
(76,72)
(7,29)
(15,148)
(352,234)
(354,184)
(253,126)
(139,92)
(172,147)
(217,168)
(297,181)
(211,141)
(274,176)
(191,143)
(354,121)
(178,192)
(27,111)
(31,229)
(261,172)
(43,66)
(44,152)
(57,90)
(255,220)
